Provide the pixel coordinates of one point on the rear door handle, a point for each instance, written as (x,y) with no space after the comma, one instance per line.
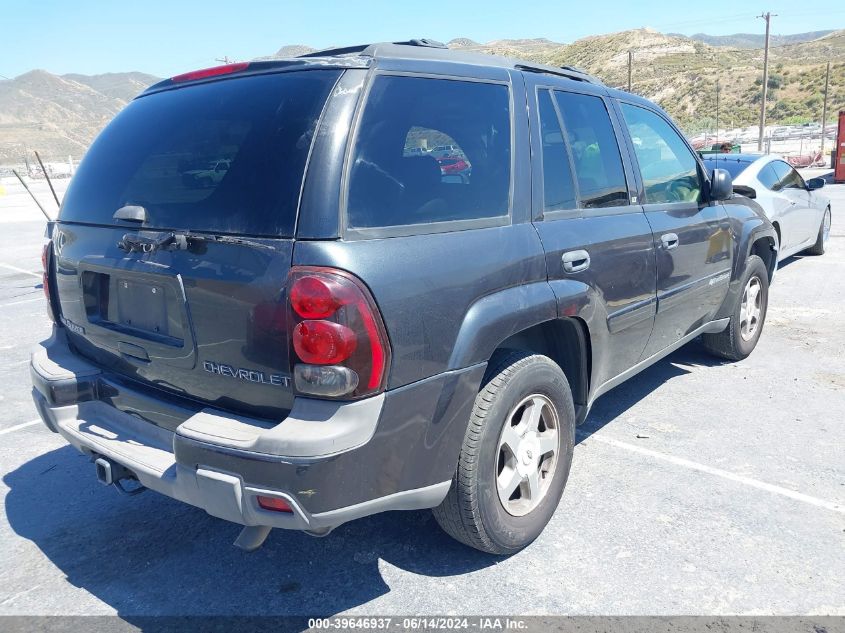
(575,261)
(669,240)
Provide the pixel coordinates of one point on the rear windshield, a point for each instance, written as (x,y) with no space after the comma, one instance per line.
(732,166)
(225,156)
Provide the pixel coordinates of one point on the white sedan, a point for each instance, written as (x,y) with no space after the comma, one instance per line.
(800,215)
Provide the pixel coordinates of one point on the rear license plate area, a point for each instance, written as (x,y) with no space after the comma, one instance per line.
(144,308)
(141,306)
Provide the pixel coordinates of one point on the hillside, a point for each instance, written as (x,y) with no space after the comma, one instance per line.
(680,73)
(60,115)
(756,40)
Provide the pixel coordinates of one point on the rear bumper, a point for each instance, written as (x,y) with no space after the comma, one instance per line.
(332,462)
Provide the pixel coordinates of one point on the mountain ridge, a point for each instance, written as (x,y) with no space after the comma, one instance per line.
(61,114)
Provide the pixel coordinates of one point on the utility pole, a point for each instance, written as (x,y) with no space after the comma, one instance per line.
(630,68)
(767,17)
(824,109)
(717,110)
(225,59)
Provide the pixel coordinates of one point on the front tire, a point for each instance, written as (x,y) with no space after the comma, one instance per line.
(740,338)
(515,458)
(824,234)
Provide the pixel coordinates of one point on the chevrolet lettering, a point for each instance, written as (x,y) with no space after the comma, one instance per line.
(250,375)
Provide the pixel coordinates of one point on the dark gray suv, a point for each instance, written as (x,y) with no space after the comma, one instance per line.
(413,273)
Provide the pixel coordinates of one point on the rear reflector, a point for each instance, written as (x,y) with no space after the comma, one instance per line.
(274,504)
(211,72)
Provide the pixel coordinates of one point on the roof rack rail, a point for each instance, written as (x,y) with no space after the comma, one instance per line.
(364,48)
(570,72)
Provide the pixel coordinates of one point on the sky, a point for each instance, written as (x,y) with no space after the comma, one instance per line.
(164,38)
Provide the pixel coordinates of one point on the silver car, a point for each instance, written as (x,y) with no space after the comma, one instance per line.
(799,213)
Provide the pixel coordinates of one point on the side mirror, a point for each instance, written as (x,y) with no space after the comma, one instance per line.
(745,190)
(815,183)
(721,185)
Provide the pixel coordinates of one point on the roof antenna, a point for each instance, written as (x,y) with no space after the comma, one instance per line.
(49,182)
(15,172)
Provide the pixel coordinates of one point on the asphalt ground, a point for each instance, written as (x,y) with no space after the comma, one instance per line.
(698,487)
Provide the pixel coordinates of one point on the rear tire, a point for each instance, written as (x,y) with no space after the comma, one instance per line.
(740,338)
(521,391)
(824,234)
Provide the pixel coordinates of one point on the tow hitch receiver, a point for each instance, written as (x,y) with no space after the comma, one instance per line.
(111,473)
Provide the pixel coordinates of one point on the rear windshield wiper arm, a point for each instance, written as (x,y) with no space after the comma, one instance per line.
(174,241)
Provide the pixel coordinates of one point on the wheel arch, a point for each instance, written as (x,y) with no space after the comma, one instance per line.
(532,317)
(765,248)
(567,342)
(759,238)
(776,226)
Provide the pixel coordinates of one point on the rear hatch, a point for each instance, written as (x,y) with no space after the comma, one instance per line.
(175,238)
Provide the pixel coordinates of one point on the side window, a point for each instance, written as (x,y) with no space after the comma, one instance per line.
(558,189)
(668,167)
(430,150)
(768,177)
(788,178)
(595,152)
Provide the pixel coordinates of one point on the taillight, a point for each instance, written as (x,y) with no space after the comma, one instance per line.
(45,278)
(215,71)
(323,342)
(337,335)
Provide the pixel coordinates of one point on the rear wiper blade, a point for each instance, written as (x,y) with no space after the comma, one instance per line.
(220,239)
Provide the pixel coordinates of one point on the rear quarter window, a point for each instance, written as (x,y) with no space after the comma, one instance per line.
(428,151)
(225,156)
(768,177)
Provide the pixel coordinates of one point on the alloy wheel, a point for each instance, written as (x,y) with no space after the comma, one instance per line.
(527,454)
(750,309)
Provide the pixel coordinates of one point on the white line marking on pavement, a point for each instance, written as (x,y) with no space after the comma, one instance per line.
(18,595)
(20,270)
(17,427)
(16,303)
(718,472)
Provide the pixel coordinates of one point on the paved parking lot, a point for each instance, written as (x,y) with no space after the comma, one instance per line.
(698,487)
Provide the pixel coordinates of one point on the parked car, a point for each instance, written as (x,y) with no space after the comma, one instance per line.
(454,166)
(800,214)
(333,330)
(445,151)
(208,176)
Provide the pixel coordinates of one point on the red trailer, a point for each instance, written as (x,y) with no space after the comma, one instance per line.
(839,160)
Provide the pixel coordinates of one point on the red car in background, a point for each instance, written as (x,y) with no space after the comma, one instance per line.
(454,166)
